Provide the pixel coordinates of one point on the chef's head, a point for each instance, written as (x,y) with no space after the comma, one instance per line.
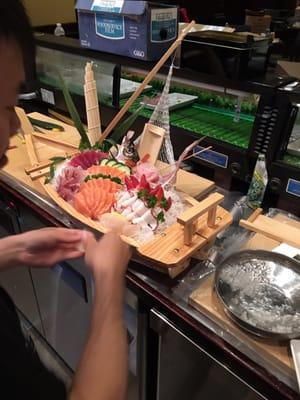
(16,41)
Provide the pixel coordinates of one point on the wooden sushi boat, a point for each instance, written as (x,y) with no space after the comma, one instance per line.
(170,249)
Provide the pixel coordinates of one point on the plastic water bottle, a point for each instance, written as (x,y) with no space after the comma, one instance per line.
(59,30)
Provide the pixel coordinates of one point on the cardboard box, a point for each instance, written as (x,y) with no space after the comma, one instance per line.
(258,23)
(137,29)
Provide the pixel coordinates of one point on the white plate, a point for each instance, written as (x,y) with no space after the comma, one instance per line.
(177,100)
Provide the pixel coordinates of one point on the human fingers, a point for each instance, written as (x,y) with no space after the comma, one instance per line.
(64,235)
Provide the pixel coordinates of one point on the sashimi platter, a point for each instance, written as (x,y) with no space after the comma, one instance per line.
(124,187)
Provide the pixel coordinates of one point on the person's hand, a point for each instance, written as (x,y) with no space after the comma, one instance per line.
(108,256)
(46,247)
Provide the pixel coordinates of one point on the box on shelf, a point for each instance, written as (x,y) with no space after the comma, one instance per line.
(259,23)
(137,29)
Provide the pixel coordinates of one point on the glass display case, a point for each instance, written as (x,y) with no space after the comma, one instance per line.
(225,115)
(237,118)
(292,154)
(284,173)
(52,63)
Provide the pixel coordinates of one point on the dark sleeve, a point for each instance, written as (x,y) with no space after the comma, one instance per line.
(22,374)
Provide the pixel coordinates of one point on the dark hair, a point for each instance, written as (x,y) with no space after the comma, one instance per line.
(15,25)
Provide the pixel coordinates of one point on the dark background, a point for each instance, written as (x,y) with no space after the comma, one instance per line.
(233,10)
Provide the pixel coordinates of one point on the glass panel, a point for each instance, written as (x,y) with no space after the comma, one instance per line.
(71,67)
(228,117)
(292,155)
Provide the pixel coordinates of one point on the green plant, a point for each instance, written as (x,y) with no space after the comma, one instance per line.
(84,143)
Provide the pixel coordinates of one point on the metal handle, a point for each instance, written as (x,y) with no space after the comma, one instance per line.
(27,96)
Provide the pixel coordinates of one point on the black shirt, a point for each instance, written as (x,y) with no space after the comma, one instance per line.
(22,374)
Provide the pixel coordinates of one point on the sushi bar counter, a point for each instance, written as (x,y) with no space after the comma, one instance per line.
(181,328)
(239,118)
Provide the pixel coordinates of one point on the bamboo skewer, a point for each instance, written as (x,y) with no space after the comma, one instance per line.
(147,79)
(92,105)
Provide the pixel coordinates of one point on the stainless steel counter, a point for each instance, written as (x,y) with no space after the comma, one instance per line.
(177,293)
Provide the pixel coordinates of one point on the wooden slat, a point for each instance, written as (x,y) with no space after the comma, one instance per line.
(169,249)
(44,164)
(25,125)
(40,173)
(223,220)
(274,229)
(204,206)
(204,300)
(31,149)
(53,139)
(190,183)
(151,142)
(255,214)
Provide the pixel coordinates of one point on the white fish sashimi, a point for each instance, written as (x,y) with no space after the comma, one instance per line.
(139,208)
(127,203)
(126,212)
(123,196)
(145,218)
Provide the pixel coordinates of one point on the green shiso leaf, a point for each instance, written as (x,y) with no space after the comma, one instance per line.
(74,114)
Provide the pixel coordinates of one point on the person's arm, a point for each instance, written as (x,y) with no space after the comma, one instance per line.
(41,248)
(103,369)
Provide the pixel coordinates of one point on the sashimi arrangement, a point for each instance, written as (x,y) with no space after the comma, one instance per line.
(134,198)
(119,187)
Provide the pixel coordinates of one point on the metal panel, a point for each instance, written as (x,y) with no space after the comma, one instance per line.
(17,281)
(63,300)
(185,371)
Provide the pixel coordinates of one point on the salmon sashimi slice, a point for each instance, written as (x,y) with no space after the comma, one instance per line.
(104,184)
(93,201)
(81,206)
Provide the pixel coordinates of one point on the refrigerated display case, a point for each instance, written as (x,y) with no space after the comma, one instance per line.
(285,168)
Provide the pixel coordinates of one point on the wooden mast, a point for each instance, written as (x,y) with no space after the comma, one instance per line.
(92,105)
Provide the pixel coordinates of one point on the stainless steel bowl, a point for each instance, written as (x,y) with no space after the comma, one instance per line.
(260,291)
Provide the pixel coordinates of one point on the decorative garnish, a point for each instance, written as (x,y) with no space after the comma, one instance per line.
(51,174)
(57,160)
(52,168)
(152,198)
(160,217)
(46,125)
(84,143)
(98,176)
(166,203)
